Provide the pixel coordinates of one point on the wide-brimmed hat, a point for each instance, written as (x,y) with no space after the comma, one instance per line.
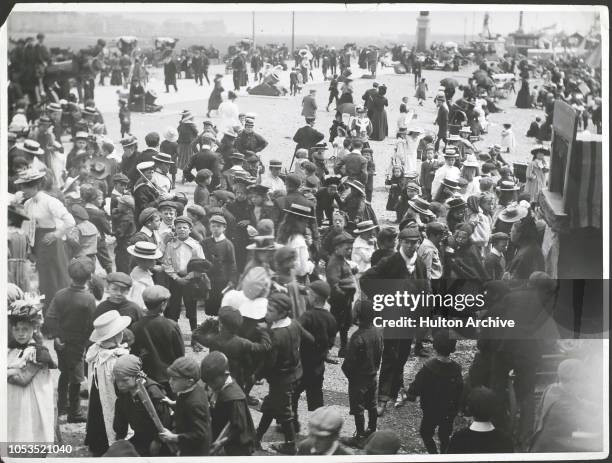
(31,147)
(455,203)
(450,152)
(145,250)
(145,165)
(465,129)
(357,185)
(421,206)
(451,183)
(513,213)
(471,161)
(29,175)
(507,185)
(89,111)
(274,163)
(454,137)
(163,157)
(365,226)
(171,134)
(108,325)
(81,135)
(128,141)
(541,149)
(300,210)
(332,180)
(100,170)
(264,243)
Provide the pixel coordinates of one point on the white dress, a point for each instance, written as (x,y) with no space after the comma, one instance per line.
(412,145)
(304,265)
(228,112)
(30,409)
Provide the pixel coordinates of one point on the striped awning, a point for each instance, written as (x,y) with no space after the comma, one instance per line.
(583,188)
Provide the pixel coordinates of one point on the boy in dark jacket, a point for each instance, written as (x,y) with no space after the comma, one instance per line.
(322,324)
(69,320)
(220,335)
(124,228)
(343,285)
(439,385)
(229,406)
(191,413)
(283,370)
(363,356)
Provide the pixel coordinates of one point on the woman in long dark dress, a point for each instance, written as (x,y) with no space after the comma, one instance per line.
(215,99)
(187,133)
(379,115)
(523,98)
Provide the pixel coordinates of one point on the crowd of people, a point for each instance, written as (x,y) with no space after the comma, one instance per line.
(271,265)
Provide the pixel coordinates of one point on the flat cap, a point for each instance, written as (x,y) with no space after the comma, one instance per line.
(231,318)
(321,288)
(218,219)
(498,237)
(293,180)
(342,238)
(183,219)
(119,278)
(224,195)
(214,365)
(280,302)
(80,268)
(146,215)
(436,227)
(325,421)
(410,232)
(185,367)
(155,293)
(167,203)
(383,442)
(120,178)
(196,210)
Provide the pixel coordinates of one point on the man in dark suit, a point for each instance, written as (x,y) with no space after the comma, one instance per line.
(495,262)
(441,121)
(367,98)
(405,272)
(306,137)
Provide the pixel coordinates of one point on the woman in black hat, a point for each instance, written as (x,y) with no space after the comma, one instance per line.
(215,99)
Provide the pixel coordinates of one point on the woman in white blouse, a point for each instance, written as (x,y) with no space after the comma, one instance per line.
(50,220)
(294,233)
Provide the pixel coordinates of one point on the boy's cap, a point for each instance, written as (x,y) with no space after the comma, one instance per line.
(325,421)
(218,219)
(146,215)
(342,238)
(155,293)
(280,302)
(185,367)
(384,442)
(224,195)
(321,288)
(230,317)
(119,278)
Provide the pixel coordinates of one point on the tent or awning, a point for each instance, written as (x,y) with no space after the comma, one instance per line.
(594,59)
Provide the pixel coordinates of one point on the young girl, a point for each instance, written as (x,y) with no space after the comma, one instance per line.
(421,91)
(30,385)
(395,182)
(292,233)
(101,357)
(536,172)
(405,116)
(508,142)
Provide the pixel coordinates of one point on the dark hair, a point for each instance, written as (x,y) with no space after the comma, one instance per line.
(487,167)
(152,139)
(443,344)
(89,193)
(231,95)
(291,225)
(346,143)
(527,230)
(481,403)
(357,144)
(365,313)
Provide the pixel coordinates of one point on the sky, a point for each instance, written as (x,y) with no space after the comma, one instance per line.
(371,20)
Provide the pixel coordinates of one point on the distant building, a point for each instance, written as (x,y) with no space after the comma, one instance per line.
(422,31)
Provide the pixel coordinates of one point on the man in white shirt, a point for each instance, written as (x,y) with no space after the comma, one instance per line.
(160,177)
(273,180)
(448,170)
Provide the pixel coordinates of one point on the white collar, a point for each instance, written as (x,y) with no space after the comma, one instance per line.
(147,231)
(482,426)
(496,252)
(409,261)
(220,238)
(283,323)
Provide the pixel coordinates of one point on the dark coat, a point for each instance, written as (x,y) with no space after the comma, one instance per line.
(364,353)
(163,345)
(283,364)
(495,266)
(250,141)
(170,73)
(393,268)
(192,421)
(144,196)
(205,159)
(231,407)
(130,411)
(125,308)
(439,385)
(322,325)
(442,121)
(306,137)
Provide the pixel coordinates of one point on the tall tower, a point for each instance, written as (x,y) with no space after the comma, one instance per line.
(422,31)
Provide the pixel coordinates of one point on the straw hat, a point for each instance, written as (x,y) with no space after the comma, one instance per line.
(513,213)
(300,210)
(471,161)
(108,325)
(31,147)
(163,157)
(421,206)
(29,175)
(145,250)
(365,226)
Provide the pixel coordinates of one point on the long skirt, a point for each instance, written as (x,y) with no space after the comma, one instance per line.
(523,99)
(95,432)
(52,265)
(214,101)
(116,77)
(380,128)
(184,155)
